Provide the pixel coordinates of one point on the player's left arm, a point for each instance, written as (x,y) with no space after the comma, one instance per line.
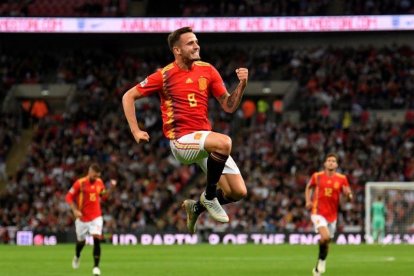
(230,102)
(346,190)
(105,194)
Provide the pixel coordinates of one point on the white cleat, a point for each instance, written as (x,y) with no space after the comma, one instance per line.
(321,266)
(214,208)
(188,206)
(96,271)
(315,273)
(75,262)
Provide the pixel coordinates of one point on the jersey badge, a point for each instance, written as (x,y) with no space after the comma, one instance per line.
(202,84)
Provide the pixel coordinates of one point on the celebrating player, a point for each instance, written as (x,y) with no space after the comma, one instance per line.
(322,198)
(84,199)
(184,87)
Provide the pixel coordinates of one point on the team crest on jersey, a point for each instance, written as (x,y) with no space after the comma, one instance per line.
(336,185)
(144,82)
(197,136)
(202,83)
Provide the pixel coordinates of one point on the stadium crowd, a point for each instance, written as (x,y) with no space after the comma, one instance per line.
(8,135)
(196,8)
(370,7)
(276,159)
(102,8)
(78,8)
(354,79)
(238,8)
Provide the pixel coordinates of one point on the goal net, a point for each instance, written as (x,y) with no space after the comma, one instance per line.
(398,200)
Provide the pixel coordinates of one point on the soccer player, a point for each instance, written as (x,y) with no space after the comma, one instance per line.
(322,198)
(84,199)
(378,219)
(184,87)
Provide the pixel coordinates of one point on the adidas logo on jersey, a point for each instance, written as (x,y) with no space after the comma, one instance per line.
(189,80)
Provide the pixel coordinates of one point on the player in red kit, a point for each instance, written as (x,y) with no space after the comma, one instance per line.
(84,199)
(184,87)
(322,198)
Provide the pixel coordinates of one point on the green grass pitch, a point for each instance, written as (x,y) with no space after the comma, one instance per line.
(203,260)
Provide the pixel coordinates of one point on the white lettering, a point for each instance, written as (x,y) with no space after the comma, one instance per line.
(146,239)
(191,239)
(267,239)
(341,239)
(157,240)
(50,240)
(229,238)
(279,238)
(294,239)
(213,239)
(409,239)
(354,239)
(169,239)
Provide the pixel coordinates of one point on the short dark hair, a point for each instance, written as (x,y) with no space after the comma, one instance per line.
(95,167)
(332,155)
(175,36)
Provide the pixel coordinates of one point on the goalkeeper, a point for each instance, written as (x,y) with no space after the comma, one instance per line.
(378,219)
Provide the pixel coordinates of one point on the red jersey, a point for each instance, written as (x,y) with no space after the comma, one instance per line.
(87,197)
(184,96)
(326,195)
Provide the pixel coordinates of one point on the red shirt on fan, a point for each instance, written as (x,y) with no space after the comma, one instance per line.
(184,96)
(327,192)
(87,197)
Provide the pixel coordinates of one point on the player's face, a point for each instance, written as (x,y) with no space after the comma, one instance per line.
(331,164)
(93,175)
(188,47)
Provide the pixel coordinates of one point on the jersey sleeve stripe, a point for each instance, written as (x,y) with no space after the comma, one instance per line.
(80,198)
(168,103)
(202,63)
(316,195)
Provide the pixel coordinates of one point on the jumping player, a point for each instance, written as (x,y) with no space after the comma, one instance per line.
(184,87)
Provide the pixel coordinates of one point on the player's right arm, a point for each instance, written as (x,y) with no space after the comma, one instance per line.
(308,193)
(128,103)
(150,85)
(70,199)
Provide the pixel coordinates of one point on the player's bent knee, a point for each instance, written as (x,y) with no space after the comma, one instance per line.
(239,194)
(225,145)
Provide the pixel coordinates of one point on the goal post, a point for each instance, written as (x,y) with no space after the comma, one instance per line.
(398,199)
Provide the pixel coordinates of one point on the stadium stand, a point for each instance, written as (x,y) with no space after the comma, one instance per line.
(195,8)
(275,158)
(78,8)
